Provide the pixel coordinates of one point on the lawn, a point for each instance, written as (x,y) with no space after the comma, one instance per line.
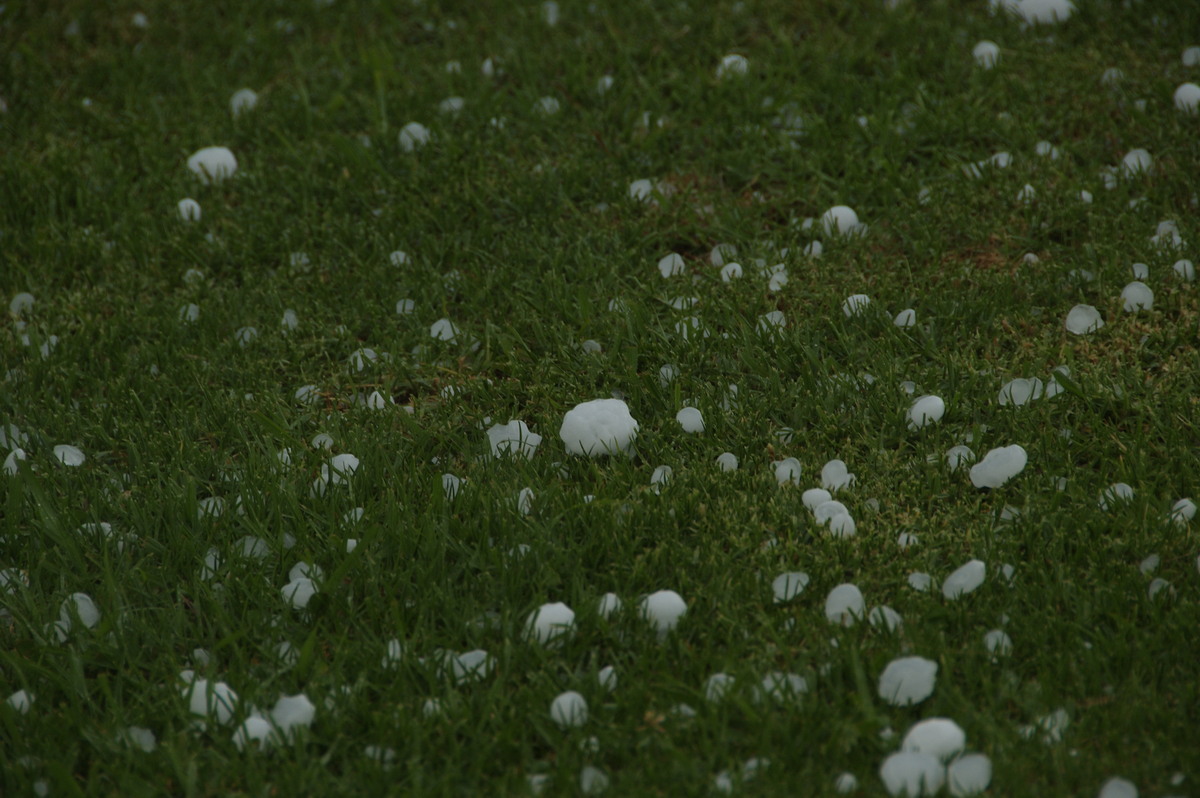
(891,304)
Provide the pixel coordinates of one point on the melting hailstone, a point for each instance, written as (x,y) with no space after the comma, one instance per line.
(599,427)
(970,774)
(912,774)
(907,681)
(998,466)
(787,471)
(844,605)
(1187,98)
(663,610)
(569,710)
(788,585)
(690,419)
(1137,296)
(986,54)
(1083,319)
(938,737)
(212,164)
(727,461)
(412,136)
(513,438)
(964,580)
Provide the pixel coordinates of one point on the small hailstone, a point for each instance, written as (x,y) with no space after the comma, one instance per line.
(443,330)
(451,485)
(907,540)
(1021,391)
(546,106)
(299,592)
(550,623)
(189,210)
(731,271)
(592,780)
(835,476)
(815,497)
(855,305)
(925,410)
(788,585)
(212,164)
(772,321)
(550,13)
(840,220)
(20,701)
(970,774)
(827,510)
(1045,12)
(844,605)
(986,54)
(216,702)
(69,455)
(663,610)
(787,471)
(255,729)
(291,712)
(513,438)
(1137,296)
(413,135)
(1117,787)
(845,783)
(1191,56)
(1027,195)
(938,737)
(690,419)
(641,190)
(905,318)
(907,681)
(1185,270)
(140,738)
(609,605)
(525,501)
(189,313)
(717,686)
(998,466)
(727,461)
(1183,511)
(1187,98)
(667,374)
(732,65)
(884,617)
(912,774)
(607,677)
(1083,319)
(671,265)
(451,105)
(1135,162)
(243,100)
(920,582)
(780,686)
(569,710)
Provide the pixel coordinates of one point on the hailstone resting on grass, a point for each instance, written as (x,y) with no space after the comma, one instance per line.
(1137,296)
(213,701)
(986,54)
(789,585)
(844,605)
(212,164)
(690,419)
(663,610)
(912,774)
(189,210)
(925,410)
(964,580)
(939,737)
(1187,98)
(513,438)
(907,681)
(840,220)
(1083,319)
(1045,11)
(599,427)
(243,100)
(569,710)
(732,66)
(998,466)
(69,455)
(413,135)
(969,775)
(787,471)
(550,623)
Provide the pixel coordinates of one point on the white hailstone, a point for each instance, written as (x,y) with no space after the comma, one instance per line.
(451,485)
(925,410)
(376,401)
(826,511)
(443,330)
(1021,391)
(471,666)
(1135,162)
(845,783)
(550,623)
(732,66)
(451,105)
(840,220)
(609,605)
(189,210)
(216,702)
(814,249)
(842,526)
(722,254)
(525,499)
(1140,271)
(912,774)
(1046,150)
(591,346)
(1027,194)
(341,468)
(815,497)
(884,617)
(780,686)
(546,106)
(717,686)
(69,455)
(413,135)
(671,265)
(1183,511)
(592,780)
(1191,56)
(140,738)
(835,476)
(731,271)
(1117,787)
(964,580)
(599,427)
(907,539)
(920,582)
(79,605)
(641,190)
(905,318)
(292,711)
(667,374)
(690,419)
(189,313)
(255,729)
(212,164)
(1045,11)
(1048,728)
(778,279)
(604,83)
(607,677)
(939,737)
(1150,564)
(569,710)
(907,681)
(998,466)
(998,642)
(290,320)
(1158,585)
(787,471)
(1115,494)
(772,321)
(663,610)
(21,304)
(1083,319)
(550,13)
(245,335)
(243,100)
(299,592)
(855,305)
(393,653)
(1137,296)
(727,461)
(1187,98)
(1185,270)
(969,775)
(986,54)
(513,438)
(844,605)
(788,585)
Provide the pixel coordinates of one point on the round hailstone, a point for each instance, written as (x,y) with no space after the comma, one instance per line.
(920,582)
(569,710)
(732,66)
(663,609)
(835,476)
(293,711)
(1021,391)
(1187,98)
(599,427)
(938,737)
(912,774)
(413,135)
(998,466)
(845,783)
(905,318)
(986,54)
(609,605)
(513,438)
(299,592)
(1084,319)
(964,580)
(998,642)
(592,780)
(243,100)
(189,210)
(855,305)
(727,461)
(443,330)
(969,775)
(925,410)
(1117,787)
(216,701)
(1113,495)
(840,220)
(1137,296)
(546,106)
(780,686)
(189,313)
(1191,56)
(451,105)
(212,164)
(844,605)
(21,304)
(1183,511)
(772,321)
(671,265)
(79,605)
(1185,270)
(550,623)
(787,471)
(667,374)
(1027,194)
(788,585)
(731,271)
(815,497)
(717,686)
(690,419)
(826,511)
(1045,11)
(641,190)
(907,681)
(1136,161)
(842,526)
(69,455)
(255,729)
(885,617)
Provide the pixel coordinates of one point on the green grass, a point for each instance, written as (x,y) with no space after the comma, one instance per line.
(522,235)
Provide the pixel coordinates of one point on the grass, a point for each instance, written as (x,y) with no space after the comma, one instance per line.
(521,235)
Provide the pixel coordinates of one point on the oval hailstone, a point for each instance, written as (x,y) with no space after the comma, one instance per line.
(69,455)
(212,701)
(255,729)
(569,710)
(1115,494)
(1137,161)
(939,737)
(1137,296)
(550,622)
(905,318)
(912,774)
(925,410)
(243,100)
(855,305)
(788,585)
(731,271)
(998,642)
(986,54)
(907,681)
(671,265)
(828,510)
(189,210)
(212,164)
(998,466)
(787,471)
(815,497)
(79,605)
(885,617)
(609,605)
(840,220)
(599,427)
(443,330)
(835,476)
(513,438)
(690,419)
(732,66)
(299,592)
(663,610)
(727,461)
(844,605)
(1187,98)
(413,135)
(641,190)
(1021,391)
(969,775)
(291,712)
(717,686)
(965,579)
(1083,319)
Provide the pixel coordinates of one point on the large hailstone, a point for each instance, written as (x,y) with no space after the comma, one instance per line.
(691,420)
(844,605)
(907,681)
(550,623)
(912,774)
(663,610)
(925,410)
(969,775)
(938,737)
(599,427)
(513,438)
(788,585)
(964,580)
(998,466)
(291,712)
(840,220)
(569,709)
(413,135)
(213,701)
(1137,296)
(1083,319)
(212,164)
(1187,98)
